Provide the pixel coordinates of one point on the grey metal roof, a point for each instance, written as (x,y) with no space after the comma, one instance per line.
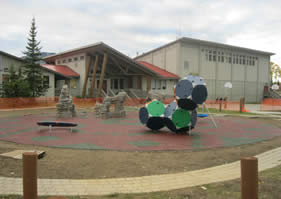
(207,43)
(12,56)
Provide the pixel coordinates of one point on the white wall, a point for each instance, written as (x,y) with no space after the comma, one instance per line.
(78,66)
(5,64)
(169,86)
(189,60)
(166,58)
(51,91)
(248,80)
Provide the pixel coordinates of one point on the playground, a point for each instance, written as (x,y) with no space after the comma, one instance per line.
(118,148)
(124,138)
(143,144)
(128,134)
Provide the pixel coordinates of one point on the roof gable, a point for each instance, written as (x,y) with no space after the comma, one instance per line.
(161,72)
(61,70)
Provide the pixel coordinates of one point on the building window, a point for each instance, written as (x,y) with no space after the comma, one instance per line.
(81,57)
(63,61)
(244,62)
(75,58)
(70,60)
(163,84)
(115,84)
(210,57)
(214,55)
(121,83)
(153,84)
(222,57)
(158,84)
(59,62)
(46,81)
(73,83)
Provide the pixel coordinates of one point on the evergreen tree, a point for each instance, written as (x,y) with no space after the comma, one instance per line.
(15,85)
(33,70)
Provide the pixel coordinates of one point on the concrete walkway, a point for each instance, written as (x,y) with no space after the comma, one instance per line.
(143,184)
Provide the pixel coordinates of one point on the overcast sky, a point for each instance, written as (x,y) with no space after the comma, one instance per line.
(139,26)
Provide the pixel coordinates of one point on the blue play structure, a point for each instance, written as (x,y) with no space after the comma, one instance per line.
(202,115)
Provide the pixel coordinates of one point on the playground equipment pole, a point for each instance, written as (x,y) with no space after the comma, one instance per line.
(29,160)
(249,178)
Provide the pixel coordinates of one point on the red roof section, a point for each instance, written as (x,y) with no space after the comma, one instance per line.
(61,69)
(158,70)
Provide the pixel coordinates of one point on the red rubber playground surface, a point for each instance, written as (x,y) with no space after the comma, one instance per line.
(128,134)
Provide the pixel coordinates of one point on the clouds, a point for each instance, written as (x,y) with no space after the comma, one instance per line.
(139,26)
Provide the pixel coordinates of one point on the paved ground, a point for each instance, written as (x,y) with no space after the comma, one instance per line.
(140,184)
(253,107)
(129,134)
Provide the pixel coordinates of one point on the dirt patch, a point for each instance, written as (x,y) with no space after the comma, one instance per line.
(85,164)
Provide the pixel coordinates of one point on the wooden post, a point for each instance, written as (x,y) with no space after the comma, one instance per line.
(88,63)
(225,103)
(94,76)
(242,104)
(102,73)
(220,105)
(249,178)
(29,160)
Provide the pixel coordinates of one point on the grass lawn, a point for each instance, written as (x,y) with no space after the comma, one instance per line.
(213,110)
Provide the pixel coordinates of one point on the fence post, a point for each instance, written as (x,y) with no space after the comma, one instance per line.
(225,103)
(29,160)
(220,105)
(249,178)
(242,104)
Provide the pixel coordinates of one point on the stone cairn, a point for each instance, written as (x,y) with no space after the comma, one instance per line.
(102,110)
(65,107)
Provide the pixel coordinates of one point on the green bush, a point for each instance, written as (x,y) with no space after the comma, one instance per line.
(15,85)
